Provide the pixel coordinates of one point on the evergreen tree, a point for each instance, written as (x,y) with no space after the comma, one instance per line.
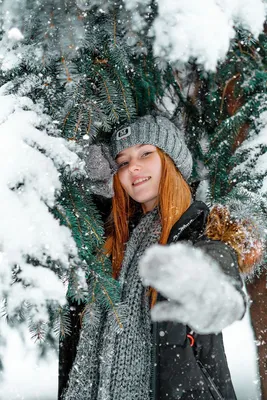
(80,69)
(76,70)
(226,118)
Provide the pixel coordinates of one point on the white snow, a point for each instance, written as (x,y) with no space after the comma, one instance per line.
(13,50)
(29,183)
(26,376)
(242,358)
(185,29)
(199,29)
(15,34)
(255,164)
(30,160)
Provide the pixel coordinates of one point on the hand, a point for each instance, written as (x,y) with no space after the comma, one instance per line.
(178,270)
(200,294)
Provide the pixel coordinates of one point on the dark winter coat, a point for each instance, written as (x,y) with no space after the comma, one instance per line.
(177,372)
(176,365)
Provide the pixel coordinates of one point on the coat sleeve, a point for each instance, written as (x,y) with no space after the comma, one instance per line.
(226,257)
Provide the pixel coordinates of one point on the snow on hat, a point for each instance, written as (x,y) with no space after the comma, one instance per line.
(160,132)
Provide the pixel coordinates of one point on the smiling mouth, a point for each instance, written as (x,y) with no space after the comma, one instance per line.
(140,181)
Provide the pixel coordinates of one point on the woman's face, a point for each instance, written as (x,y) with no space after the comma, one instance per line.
(140,173)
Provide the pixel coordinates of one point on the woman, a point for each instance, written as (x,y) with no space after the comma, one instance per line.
(190,289)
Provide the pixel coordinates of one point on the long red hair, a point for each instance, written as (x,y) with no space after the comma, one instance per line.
(174,199)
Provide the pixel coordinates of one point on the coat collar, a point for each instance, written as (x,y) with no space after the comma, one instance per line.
(192,223)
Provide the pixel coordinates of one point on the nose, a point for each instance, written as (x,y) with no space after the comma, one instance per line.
(133,166)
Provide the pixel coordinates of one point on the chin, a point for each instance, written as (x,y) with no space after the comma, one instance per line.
(141,200)
(146,200)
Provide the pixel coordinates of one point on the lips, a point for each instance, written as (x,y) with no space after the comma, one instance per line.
(140,181)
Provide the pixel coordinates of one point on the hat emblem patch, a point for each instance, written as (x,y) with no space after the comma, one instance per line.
(123,133)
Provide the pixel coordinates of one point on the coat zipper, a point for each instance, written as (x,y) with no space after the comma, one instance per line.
(154,359)
(213,388)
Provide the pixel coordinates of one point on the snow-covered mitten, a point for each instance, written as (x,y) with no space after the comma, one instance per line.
(199,293)
(100,168)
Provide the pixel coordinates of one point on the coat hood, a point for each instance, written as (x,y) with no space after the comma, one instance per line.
(218,224)
(241,234)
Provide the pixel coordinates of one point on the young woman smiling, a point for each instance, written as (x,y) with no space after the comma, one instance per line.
(140,174)
(177,263)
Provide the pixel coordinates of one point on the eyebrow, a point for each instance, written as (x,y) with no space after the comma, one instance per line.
(122,154)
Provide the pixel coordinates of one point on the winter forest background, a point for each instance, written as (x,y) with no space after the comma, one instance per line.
(72,71)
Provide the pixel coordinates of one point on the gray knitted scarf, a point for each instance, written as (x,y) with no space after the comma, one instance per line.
(113,360)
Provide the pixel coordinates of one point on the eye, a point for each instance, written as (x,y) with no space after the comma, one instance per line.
(146,153)
(122,164)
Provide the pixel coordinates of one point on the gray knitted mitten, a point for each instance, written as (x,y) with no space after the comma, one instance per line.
(100,168)
(200,289)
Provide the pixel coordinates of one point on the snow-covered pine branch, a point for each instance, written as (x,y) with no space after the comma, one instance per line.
(202,30)
(30,237)
(253,152)
(249,175)
(185,29)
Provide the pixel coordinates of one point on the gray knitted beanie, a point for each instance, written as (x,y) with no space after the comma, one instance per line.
(160,132)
